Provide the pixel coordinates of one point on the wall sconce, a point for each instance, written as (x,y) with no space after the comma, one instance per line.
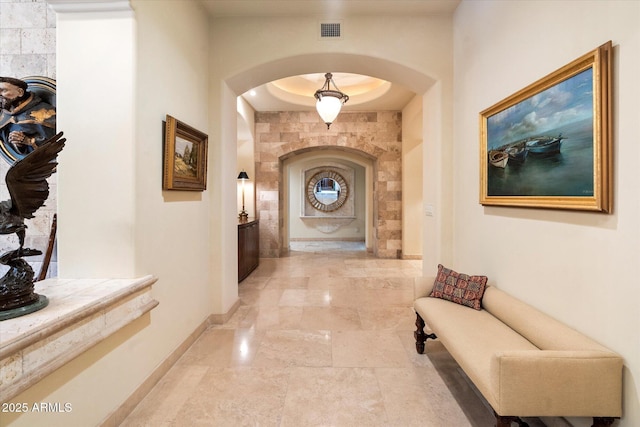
(243,215)
(329,101)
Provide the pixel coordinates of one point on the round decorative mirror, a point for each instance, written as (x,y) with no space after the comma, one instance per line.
(327,191)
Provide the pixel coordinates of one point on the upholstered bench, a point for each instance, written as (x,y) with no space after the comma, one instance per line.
(525,363)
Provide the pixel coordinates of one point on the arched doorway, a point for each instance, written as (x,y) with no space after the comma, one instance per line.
(353,223)
(434,99)
(375,135)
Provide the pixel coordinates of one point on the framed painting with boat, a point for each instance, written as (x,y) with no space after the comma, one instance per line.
(550,144)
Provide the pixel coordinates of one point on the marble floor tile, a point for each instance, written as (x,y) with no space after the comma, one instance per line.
(391,282)
(286,282)
(160,407)
(254,282)
(321,338)
(294,348)
(293,298)
(395,297)
(383,318)
(418,397)
(236,397)
(263,318)
(318,298)
(222,347)
(236,319)
(331,318)
(333,397)
(326,282)
(269,297)
(371,349)
(353,298)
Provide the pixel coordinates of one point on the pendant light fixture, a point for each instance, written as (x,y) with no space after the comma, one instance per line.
(329,101)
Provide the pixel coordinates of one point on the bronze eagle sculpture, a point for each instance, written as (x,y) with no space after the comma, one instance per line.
(28,187)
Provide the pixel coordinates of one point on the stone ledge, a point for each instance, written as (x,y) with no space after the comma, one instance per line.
(88,6)
(80,314)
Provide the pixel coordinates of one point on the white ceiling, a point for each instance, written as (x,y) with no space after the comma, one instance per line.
(289,94)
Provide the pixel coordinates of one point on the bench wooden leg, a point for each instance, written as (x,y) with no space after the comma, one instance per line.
(506,421)
(602,421)
(420,336)
(502,421)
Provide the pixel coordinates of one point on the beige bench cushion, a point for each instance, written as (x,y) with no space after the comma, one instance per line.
(542,330)
(472,337)
(557,383)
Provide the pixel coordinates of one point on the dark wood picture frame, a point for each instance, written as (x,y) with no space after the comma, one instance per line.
(550,144)
(185,157)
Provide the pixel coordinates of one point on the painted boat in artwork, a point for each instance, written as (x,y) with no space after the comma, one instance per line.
(517,153)
(498,158)
(544,145)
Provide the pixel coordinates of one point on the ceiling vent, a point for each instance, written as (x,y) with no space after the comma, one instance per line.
(330,30)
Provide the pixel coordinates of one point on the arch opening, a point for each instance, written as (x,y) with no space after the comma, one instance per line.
(269,185)
(354,224)
(336,62)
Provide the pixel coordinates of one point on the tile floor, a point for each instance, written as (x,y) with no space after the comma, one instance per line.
(321,339)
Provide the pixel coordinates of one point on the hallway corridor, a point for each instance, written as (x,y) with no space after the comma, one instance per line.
(321,339)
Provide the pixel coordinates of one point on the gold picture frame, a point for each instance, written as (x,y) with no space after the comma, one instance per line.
(185,157)
(550,144)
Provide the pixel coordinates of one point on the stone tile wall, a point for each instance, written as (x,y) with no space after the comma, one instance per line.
(374,135)
(27,38)
(28,48)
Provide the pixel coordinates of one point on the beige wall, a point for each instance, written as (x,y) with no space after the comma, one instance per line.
(118,76)
(96,177)
(413,209)
(578,267)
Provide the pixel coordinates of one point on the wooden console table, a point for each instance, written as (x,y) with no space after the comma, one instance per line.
(248,248)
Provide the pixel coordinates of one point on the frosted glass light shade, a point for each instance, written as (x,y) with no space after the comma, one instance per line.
(328,108)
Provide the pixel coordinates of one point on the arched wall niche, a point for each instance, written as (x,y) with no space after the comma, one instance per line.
(359,225)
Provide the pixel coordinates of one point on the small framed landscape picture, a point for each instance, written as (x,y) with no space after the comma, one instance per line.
(550,144)
(185,157)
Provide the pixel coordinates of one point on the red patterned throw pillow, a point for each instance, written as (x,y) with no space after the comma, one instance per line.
(459,288)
